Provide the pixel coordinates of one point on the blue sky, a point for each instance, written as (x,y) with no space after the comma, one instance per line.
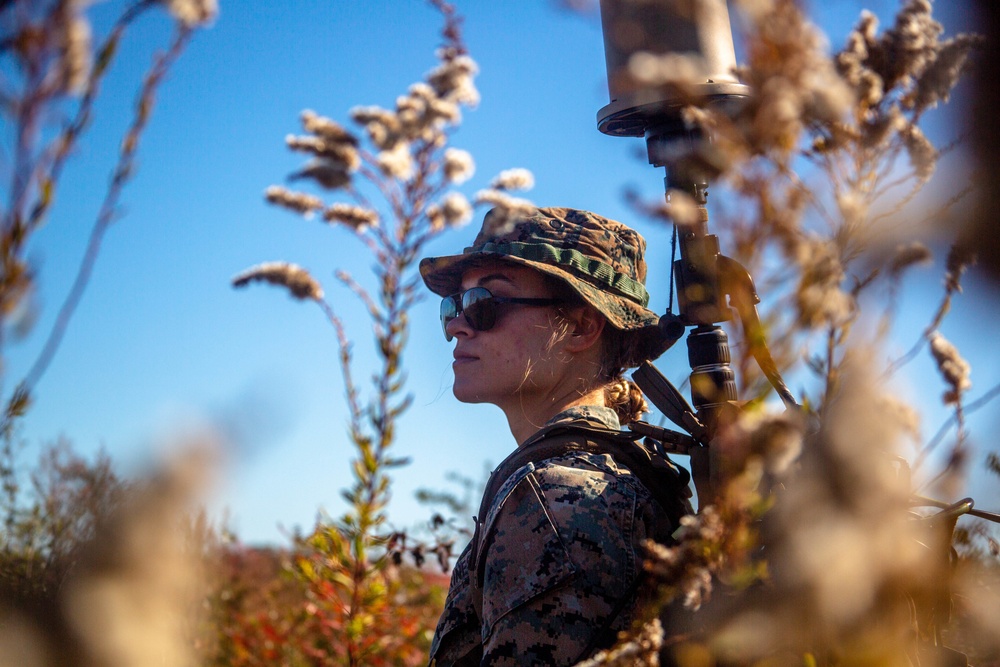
(161,343)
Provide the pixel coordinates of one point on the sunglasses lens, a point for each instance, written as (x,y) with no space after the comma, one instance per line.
(479,308)
(477,305)
(449,311)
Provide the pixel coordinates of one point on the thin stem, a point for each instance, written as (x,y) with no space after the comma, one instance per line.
(953,420)
(830,379)
(75,128)
(123,172)
(344,346)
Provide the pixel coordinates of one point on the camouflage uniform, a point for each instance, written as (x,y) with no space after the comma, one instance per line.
(562,547)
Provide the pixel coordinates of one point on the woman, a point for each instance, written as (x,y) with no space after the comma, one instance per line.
(547,312)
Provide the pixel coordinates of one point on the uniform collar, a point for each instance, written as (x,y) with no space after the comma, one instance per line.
(592,413)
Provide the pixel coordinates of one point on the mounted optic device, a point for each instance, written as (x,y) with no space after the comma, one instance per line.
(663,56)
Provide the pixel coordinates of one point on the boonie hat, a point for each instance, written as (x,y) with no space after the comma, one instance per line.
(598,258)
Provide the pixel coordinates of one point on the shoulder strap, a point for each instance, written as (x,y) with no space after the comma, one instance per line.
(667,483)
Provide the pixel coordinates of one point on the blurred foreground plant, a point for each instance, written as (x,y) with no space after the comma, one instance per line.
(47,524)
(51,77)
(62,602)
(110,573)
(399,182)
(813,553)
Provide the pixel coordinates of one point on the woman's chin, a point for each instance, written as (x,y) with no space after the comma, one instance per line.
(470,388)
(466,394)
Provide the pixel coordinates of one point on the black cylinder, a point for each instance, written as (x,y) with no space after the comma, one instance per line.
(710,386)
(712,379)
(708,347)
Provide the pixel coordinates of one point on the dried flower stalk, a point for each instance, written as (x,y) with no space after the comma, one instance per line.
(294,278)
(816,553)
(403,155)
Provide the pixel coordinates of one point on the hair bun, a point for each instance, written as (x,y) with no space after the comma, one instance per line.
(626,399)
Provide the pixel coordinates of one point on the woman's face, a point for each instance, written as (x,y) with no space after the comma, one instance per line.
(517,360)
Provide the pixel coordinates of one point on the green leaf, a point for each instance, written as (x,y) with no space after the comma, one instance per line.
(395,463)
(307,569)
(106,54)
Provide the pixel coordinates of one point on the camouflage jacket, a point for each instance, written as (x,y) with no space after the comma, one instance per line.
(563,548)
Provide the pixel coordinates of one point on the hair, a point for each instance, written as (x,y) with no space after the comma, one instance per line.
(620,350)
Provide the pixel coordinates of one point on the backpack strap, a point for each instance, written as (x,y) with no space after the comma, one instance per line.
(666,482)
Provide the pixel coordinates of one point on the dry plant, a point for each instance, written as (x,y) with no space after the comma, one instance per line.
(53,68)
(820,557)
(46,524)
(134,591)
(52,76)
(398,179)
(90,565)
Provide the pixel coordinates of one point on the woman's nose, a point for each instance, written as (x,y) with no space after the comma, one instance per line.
(457,325)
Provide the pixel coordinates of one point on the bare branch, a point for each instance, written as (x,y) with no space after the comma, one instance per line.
(124,170)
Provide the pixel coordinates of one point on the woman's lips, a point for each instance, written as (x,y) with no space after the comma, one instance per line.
(463,358)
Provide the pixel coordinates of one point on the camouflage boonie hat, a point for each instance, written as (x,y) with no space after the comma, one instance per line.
(600,259)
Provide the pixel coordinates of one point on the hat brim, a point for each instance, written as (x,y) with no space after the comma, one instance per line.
(443,276)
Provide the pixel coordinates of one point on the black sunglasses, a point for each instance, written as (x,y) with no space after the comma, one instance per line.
(480,308)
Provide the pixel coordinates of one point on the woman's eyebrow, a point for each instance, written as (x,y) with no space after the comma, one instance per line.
(494,276)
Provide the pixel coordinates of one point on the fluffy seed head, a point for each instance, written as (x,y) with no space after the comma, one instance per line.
(819,297)
(397,162)
(923,155)
(296,201)
(354,217)
(907,255)
(681,208)
(73,35)
(330,174)
(953,368)
(452,80)
(343,153)
(509,209)
(456,209)
(299,283)
(193,12)
(384,127)
(514,179)
(326,128)
(458,165)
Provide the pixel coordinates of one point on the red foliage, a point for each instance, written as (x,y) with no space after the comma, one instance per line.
(264,612)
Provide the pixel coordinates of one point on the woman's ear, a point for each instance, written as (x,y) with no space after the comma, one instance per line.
(587,326)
